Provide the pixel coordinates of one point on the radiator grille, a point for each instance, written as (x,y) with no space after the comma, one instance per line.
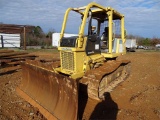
(68,60)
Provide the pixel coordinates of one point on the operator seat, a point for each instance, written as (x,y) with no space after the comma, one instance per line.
(104,39)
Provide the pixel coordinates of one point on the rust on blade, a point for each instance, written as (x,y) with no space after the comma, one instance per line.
(47,114)
(53,94)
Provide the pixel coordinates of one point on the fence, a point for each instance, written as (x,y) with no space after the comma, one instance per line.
(9,40)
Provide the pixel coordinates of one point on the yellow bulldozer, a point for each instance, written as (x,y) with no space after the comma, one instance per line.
(88,58)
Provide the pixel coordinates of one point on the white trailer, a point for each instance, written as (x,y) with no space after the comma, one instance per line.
(56,37)
(131,45)
(9,40)
(158,46)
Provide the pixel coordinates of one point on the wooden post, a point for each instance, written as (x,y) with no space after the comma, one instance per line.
(2,41)
(24,38)
(110,24)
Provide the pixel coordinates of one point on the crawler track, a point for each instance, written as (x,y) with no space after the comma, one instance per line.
(105,78)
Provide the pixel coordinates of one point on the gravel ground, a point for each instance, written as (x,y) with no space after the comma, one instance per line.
(137,98)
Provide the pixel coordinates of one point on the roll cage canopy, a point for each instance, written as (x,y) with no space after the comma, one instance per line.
(98,12)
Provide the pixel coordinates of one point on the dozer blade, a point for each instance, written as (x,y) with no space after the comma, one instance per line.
(53,94)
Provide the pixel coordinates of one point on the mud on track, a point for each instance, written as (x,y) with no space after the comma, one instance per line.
(136,98)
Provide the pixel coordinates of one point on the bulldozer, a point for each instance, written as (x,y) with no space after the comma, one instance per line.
(88,59)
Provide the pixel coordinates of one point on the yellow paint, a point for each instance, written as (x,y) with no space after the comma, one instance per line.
(74,60)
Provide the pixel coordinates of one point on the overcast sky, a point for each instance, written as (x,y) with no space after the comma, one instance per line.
(142,17)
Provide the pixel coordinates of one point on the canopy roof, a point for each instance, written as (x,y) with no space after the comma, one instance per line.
(100,12)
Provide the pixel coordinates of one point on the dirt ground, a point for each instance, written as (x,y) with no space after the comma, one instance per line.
(137,98)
